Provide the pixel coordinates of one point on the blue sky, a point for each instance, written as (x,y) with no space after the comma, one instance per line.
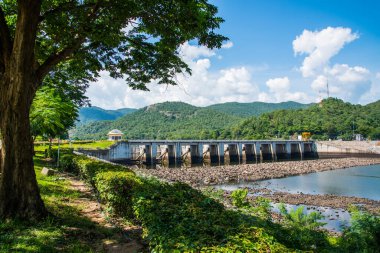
(263,31)
(279,50)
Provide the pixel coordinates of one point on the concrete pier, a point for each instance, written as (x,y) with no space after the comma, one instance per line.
(214,153)
(196,153)
(221,152)
(295,151)
(250,152)
(266,151)
(259,158)
(281,152)
(233,153)
(172,156)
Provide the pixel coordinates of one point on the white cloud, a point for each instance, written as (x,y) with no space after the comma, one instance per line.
(346,82)
(378,75)
(189,52)
(203,87)
(279,91)
(320,47)
(320,83)
(347,74)
(278,84)
(348,87)
(373,94)
(228,44)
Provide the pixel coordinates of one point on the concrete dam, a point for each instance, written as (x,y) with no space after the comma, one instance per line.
(197,151)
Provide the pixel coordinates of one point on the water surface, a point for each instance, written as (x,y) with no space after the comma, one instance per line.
(361,181)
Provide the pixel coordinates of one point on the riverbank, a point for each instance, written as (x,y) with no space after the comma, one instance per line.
(203,176)
(321,200)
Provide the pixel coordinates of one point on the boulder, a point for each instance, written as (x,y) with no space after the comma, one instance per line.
(47,172)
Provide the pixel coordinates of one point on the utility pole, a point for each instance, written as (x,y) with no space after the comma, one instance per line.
(327,88)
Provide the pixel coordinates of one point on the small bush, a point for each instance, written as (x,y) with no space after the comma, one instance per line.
(88,168)
(304,228)
(364,233)
(239,198)
(66,163)
(116,191)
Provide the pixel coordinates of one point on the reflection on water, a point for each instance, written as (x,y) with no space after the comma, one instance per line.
(362,181)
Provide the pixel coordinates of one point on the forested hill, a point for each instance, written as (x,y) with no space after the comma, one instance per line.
(255,108)
(90,114)
(94,113)
(332,118)
(169,120)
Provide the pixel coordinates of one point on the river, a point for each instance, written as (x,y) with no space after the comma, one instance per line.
(362,181)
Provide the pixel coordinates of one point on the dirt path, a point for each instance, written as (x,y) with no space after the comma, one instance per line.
(126,240)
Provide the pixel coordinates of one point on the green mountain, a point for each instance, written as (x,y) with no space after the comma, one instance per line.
(330,119)
(90,114)
(169,120)
(255,108)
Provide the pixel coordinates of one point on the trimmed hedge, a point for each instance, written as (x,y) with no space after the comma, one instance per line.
(116,190)
(113,183)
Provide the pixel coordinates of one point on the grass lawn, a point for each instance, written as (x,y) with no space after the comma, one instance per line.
(74,145)
(66,230)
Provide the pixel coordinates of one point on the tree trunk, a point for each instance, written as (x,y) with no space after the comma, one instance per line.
(19,192)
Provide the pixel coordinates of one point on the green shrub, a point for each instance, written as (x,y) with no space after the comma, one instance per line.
(364,233)
(303,228)
(88,168)
(239,198)
(178,218)
(116,191)
(297,218)
(66,163)
(258,241)
(262,208)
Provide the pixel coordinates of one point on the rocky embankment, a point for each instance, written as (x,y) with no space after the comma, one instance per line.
(200,176)
(326,200)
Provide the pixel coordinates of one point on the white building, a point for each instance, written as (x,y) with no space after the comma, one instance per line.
(115,135)
(358,137)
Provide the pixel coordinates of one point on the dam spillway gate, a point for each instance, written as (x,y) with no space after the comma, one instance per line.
(174,152)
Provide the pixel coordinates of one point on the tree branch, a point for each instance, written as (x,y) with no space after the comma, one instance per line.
(5,39)
(58,57)
(55,58)
(67,6)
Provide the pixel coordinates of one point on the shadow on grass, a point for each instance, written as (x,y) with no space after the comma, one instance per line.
(178,217)
(53,234)
(64,231)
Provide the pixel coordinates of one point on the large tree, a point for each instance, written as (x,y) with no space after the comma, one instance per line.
(71,41)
